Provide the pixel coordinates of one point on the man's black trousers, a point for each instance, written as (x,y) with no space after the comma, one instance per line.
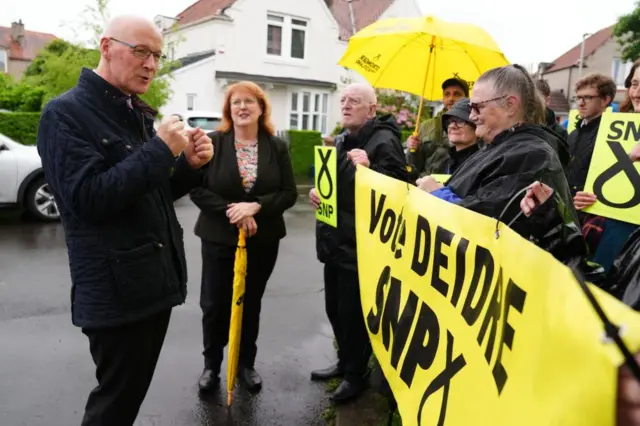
(125,359)
(342,303)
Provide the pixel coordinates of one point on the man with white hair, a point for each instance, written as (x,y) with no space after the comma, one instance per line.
(115,180)
(372,142)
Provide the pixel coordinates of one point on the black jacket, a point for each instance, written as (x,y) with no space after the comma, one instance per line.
(274,189)
(553,125)
(115,183)
(495,178)
(380,138)
(456,158)
(582,142)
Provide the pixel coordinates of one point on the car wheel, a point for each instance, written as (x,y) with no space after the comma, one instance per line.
(40,201)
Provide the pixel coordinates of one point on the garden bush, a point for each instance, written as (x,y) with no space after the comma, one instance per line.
(301,143)
(20,126)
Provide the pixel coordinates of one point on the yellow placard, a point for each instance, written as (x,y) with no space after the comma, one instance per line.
(326,183)
(612,176)
(474,327)
(573,119)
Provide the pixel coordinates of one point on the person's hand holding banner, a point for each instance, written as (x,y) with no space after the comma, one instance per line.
(428,184)
(314,198)
(358,156)
(582,200)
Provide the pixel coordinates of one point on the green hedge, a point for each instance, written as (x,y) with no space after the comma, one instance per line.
(20,126)
(405,135)
(301,143)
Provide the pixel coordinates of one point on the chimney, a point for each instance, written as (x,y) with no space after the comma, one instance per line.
(17,32)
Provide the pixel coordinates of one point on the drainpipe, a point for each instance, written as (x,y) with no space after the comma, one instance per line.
(352,17)
(584,37)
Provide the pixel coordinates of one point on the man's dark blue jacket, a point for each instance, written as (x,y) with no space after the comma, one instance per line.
(115,182)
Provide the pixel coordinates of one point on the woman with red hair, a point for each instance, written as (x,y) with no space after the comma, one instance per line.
(248,185)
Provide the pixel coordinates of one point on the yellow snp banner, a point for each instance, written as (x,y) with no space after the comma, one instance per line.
(474,327)
(612,176)
(326,184)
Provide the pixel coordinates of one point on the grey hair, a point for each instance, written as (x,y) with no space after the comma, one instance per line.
(366,90)
(514,79)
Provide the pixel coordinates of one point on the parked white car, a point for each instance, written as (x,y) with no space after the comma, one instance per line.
(206,120)
(22,181)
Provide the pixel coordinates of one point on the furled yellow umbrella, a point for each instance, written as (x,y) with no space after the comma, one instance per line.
(416,55)
(237,304)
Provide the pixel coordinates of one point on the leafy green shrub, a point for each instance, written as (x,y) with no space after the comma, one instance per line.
(20,126)
(405,135)
(301,143)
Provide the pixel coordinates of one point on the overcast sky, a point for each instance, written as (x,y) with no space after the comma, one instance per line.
(527,31)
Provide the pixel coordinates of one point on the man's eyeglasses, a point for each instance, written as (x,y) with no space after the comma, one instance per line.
(142,52)
(476,106)
(585,98)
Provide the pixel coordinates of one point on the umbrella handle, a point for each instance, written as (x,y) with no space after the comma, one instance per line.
(242,239)
(424,85)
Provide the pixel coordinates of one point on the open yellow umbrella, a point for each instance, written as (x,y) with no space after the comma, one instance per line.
(416,55)
(237,304)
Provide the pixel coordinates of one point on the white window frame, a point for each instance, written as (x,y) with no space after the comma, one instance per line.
(191,99)
(287,24)
(3,52)
(619,71)
(321,113)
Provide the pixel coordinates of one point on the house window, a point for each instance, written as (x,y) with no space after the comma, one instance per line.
(274,34)
(309,111)
(191,101)
(288,32)
(171,51)
(4,63)
(620,70)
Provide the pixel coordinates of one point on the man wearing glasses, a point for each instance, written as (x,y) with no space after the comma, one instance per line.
(605,237)
(115,180)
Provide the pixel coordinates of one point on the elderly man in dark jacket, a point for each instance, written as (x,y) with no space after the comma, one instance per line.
(115,181)
(374,143)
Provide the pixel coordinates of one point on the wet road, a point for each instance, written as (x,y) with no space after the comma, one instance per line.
(46,371)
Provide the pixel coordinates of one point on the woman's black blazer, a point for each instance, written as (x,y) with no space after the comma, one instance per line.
(274,188)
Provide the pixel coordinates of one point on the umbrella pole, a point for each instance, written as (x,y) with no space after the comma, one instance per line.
(424,85)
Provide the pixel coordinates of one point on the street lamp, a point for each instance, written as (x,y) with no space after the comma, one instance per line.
(584,37)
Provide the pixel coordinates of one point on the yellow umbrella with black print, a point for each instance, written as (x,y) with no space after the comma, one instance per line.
(237,305)
(415,55)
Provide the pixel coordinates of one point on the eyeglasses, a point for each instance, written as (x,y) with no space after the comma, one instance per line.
(476,106)
(585,98)
(237,103)
(141,51)
(457,123)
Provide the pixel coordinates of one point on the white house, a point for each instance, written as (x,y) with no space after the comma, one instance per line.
(289,47)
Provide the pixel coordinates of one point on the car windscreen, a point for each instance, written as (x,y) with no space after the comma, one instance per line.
(205,123)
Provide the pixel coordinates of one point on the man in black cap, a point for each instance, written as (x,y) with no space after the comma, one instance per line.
(428,152)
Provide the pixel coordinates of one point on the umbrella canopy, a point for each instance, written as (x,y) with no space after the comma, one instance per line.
(416,55)
(237,305)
